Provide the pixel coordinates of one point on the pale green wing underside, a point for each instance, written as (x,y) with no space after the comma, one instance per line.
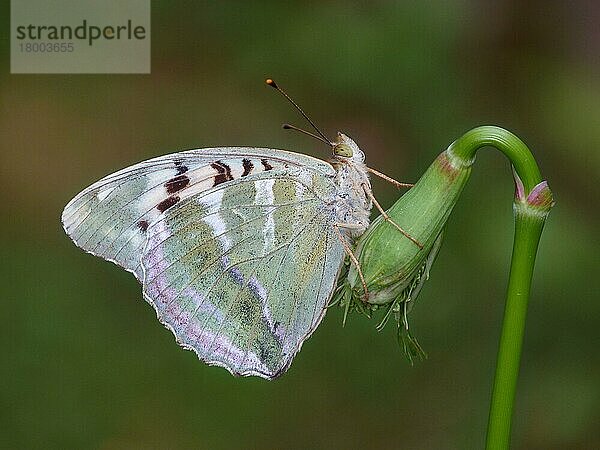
(109,219)
(234,246)
(242,273)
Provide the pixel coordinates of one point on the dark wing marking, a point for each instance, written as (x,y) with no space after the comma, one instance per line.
(110,218)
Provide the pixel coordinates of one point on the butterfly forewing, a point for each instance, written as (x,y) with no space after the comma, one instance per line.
(241,274)
(109,219)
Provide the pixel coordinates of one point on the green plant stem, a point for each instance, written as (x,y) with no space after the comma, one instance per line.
(527,236)
(528,229)
(514,148)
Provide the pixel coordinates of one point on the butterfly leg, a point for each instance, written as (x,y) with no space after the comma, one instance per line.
(389,179)
(388,218)
(348,251)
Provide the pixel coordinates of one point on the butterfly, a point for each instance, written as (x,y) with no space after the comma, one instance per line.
(238,249)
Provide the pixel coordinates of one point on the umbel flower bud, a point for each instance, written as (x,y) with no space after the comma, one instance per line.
(389,269)
(389,261)
(394,268)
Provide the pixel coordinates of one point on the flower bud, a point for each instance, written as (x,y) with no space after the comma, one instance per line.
(394,267)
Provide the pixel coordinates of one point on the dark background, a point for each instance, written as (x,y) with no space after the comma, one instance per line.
(85,363)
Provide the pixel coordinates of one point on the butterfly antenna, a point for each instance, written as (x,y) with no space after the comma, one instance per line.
(282,92)
(287,126)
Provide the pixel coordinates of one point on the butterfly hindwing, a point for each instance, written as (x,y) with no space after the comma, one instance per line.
(110,218)
(242,273)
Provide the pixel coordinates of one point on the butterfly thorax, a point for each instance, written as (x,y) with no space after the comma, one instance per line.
(353,203)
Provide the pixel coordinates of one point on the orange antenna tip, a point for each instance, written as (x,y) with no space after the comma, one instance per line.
(271,83)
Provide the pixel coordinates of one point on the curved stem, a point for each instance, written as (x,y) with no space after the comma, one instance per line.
(530,214)
(514,148)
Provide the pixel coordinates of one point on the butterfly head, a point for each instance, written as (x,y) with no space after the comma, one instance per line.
(346,149)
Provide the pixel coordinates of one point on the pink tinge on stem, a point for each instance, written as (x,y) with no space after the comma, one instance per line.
(541,196)
(519,188)
(446,166)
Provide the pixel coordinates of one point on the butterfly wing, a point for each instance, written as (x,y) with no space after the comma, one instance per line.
(110,218)
(234,247)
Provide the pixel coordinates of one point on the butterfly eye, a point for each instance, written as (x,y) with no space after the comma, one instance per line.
(342,150)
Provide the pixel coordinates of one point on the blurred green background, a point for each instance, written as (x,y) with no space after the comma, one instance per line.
(87,365)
